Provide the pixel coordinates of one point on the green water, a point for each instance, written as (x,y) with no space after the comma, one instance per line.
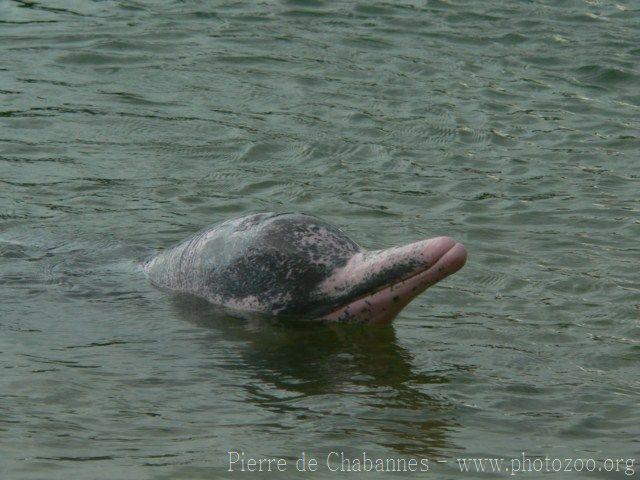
(510,126)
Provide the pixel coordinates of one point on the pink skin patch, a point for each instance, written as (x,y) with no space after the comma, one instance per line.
(436,258)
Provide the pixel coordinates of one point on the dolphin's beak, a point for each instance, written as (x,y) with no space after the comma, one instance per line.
(375,286)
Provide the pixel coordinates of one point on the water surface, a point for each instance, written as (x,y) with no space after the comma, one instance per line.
(125,126)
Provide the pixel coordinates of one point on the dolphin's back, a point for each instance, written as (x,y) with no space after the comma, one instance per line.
(265,262)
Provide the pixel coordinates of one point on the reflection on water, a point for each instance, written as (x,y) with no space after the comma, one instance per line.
(295,367)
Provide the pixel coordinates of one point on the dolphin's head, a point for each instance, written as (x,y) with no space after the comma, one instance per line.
(298,265)
(315,270)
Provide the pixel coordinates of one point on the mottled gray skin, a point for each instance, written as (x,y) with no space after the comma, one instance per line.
(268,263)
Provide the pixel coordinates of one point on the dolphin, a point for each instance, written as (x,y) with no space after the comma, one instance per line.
(297,265)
